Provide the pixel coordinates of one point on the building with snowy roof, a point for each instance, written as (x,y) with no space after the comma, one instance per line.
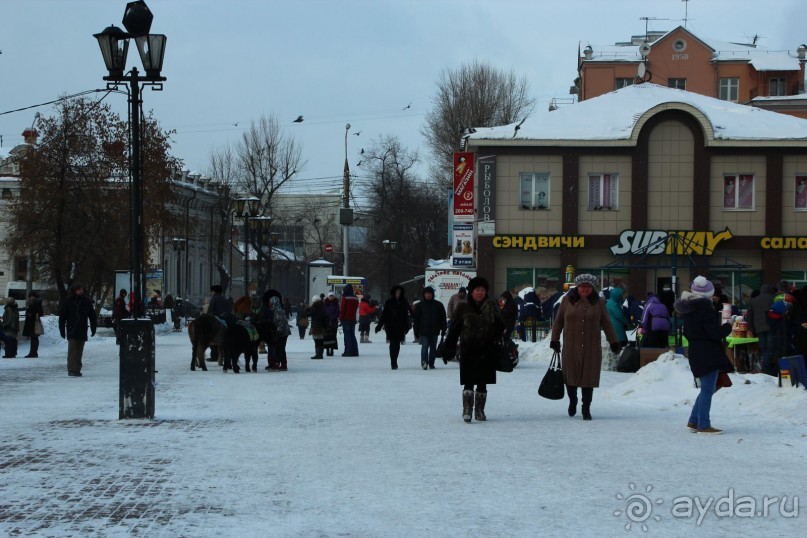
(738,72)
(591,184)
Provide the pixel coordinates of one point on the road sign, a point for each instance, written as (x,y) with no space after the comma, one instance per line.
(329,248)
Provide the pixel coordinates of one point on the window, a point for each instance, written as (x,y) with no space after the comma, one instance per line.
(623,82)
(602,191)
(729,89)
(738,191)
(777,86)
(534,191)
(677,83)
(801,192)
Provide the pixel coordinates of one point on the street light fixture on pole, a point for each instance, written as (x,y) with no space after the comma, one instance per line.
(389,247)
(245,208)
(137,350)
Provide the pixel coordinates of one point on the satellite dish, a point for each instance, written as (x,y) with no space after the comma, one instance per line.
(642,71)
(644,49)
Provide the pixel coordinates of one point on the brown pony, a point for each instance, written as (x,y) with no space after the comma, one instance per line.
(243,306)
(203,331)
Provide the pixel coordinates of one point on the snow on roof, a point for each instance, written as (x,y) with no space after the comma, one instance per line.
(761,58)
(614,115)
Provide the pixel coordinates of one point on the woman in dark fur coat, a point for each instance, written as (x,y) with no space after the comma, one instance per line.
(477,325)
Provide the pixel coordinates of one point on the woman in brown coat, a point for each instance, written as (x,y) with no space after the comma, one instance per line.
(583,315)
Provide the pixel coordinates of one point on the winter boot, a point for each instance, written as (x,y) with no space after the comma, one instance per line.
(318,349)
(587,394)
(572,392)
(479,406)
(467,404)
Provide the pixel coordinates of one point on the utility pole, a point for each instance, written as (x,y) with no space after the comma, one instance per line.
(346,215)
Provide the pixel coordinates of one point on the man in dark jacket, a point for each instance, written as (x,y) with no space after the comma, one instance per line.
(758,323)
(33,313)
(75,313)
(430,321)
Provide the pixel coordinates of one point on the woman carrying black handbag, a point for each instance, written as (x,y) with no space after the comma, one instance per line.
(581,317)
(477,326)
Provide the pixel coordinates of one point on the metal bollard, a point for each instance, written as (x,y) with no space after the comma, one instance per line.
(137,353)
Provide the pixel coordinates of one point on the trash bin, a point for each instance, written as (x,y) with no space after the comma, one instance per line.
(137,352)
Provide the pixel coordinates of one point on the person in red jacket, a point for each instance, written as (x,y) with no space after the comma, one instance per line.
(348,310)
(366,312)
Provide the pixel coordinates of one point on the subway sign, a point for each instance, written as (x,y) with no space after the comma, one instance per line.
(699,243)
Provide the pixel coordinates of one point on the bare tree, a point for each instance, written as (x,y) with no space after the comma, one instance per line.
(73,213)
(222,171)
(405,209)
(265,159)
(473,95)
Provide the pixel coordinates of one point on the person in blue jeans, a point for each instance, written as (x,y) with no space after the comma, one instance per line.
(707,359)
(430,322)
(348,314)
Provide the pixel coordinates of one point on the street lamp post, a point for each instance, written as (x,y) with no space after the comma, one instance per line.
(389,246)
(246,207)
(137,350)
(345,214)
(261,226)
(179,246)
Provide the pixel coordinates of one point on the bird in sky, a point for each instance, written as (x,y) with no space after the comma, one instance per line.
(357,133)
(408,106)
(358,163)
(361,152)
(298,120)
(235,124)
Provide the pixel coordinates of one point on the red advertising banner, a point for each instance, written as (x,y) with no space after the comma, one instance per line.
(464,185)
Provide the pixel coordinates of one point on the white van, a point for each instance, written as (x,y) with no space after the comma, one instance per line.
(19,290)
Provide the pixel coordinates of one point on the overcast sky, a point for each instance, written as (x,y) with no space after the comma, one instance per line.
(372,63)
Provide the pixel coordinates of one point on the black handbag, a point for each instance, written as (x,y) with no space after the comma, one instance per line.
(552,386)
(439,350)
(507,356)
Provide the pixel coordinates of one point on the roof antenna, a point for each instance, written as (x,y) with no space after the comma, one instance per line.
(686,12)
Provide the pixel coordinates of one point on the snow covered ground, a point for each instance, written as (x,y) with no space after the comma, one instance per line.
(348,447)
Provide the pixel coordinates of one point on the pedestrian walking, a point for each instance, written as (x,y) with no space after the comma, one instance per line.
(282,331)
(119,312)
(348,312)
(476,328)
(33,328)
(395,322)
(76,315)
(11,327)
(616,314)
(703,330)
(319,321)
(331,342)
(655,323)
(366,312)
(302,320)
(429,324)
(581,317)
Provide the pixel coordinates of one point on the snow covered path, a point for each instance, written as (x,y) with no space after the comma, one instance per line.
(347,447)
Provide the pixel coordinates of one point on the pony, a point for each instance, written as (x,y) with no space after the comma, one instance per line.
(204,331)
(240,338)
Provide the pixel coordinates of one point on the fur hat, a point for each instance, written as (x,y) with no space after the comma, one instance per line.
(701,286)
(587,278)
(476,282)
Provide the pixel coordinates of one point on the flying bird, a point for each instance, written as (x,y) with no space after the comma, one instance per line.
(408,106)
(235,124)
(358,163)
(357,133)
(361,152)
(298,120)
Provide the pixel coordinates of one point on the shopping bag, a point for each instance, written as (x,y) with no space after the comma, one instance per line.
(552,386)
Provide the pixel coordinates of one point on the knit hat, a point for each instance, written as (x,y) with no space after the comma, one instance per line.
(478,281)
(587,278)
(701,286)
